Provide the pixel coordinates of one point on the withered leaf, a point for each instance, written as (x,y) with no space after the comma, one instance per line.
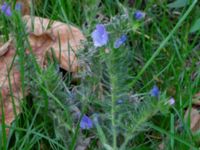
(196,99)
(194,113)
(7,72)
(67,39)
(40,44)
(64,39)
(194,119)
(4,47)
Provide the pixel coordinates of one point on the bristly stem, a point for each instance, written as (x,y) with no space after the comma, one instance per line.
(113,115)
(113,86)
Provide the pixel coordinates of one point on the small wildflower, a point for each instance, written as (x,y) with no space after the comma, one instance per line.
(172,101)
(100,36)
(18,6)
(86,122)
(5,8)
(139,15)
(120,41)
(107,50)
(155,91)
(120,101)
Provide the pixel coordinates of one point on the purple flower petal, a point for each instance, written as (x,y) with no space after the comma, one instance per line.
(120,41)
(139,15)
(18,6)
(6,9)
(120,101)
(172,101)
(100,36)
(155,91)
(86,122)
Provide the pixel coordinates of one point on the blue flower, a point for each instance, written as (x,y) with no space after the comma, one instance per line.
(120,101)
(172,101)
(5,8)
(139,15)
(120,41)
(100,36)
(86,122)
(155,91)
(18,6)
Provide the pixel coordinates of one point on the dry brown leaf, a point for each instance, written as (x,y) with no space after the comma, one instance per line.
(4,47)
(59,36)
(196,99)
(67,39)
(40,44)
(6,57)
(194,113)
(194,119)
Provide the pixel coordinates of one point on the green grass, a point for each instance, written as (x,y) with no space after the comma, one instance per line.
(160,50)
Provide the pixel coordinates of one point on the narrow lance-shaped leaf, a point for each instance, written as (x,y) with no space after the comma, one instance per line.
(178,4)
(196,26)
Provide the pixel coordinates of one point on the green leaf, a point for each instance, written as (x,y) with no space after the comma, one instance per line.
(178,4)
(196,26)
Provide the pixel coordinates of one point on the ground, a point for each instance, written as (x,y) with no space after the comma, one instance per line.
(137,84)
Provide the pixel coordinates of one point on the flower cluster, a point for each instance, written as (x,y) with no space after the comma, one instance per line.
(86,122)
(6,8)
(120,41)
(100,37)
(155,92)
(139,15)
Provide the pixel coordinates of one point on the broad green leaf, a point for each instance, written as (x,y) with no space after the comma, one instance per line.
(196,26)
(178,4)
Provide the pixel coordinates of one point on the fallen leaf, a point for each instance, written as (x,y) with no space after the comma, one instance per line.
(40,44)
(64,39)
(67,39)
(196,99)
(194,119)
(194,113)
(4,47)
(9,72)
